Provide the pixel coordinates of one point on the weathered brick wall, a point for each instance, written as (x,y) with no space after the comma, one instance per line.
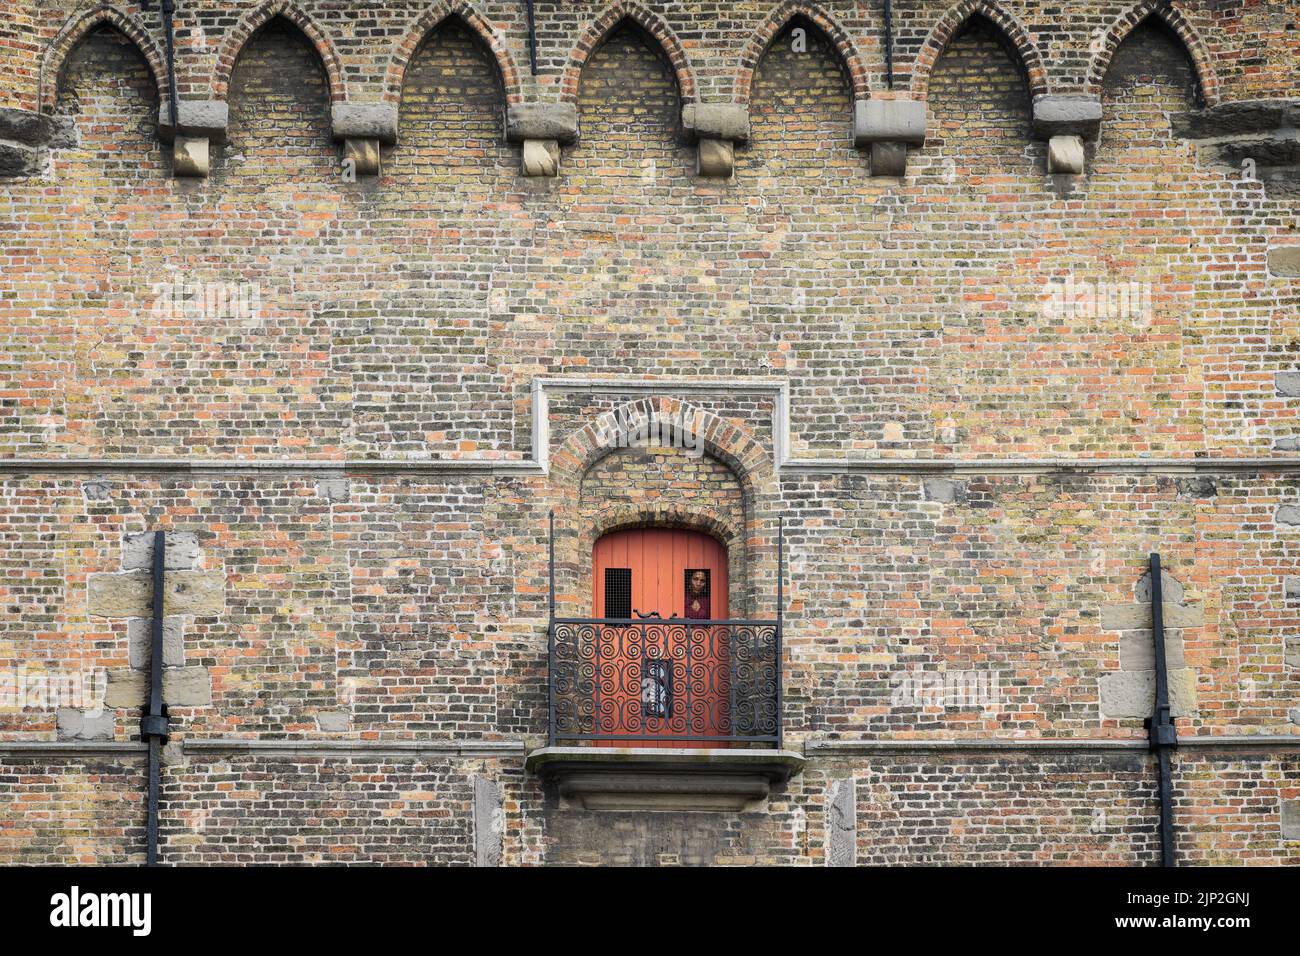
(404,320)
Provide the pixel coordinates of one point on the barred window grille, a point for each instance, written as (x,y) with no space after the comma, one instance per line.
(618,592)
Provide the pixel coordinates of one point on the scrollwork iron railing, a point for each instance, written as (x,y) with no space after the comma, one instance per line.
(666,680)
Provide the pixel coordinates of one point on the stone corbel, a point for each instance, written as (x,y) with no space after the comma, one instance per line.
(26,139)
(362,128)
(202,122)
(1066,122)
(542,128)
(888,128)
(715,129)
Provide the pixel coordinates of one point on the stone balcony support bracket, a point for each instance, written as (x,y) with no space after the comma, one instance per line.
(632,778)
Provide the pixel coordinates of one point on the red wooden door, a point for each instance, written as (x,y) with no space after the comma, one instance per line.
(662,678)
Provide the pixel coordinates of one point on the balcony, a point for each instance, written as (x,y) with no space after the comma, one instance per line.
(665,682)
(655,713)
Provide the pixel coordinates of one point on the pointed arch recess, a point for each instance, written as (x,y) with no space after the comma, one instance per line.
(77,29)
(950,25)
(772,27)
(237,38)
(1197,51)
(429,21)
(599,30)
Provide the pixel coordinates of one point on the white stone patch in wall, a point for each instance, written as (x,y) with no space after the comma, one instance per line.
(139,635)
(489,822)
(182,552)
(842,823)
(334,490)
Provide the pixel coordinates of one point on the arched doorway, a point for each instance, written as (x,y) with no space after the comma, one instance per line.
(664,675)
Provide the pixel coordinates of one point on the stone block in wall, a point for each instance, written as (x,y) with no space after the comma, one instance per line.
(364,156)
(130,594)
(1066,156)
(892,121)
(489,822)
(1291,651)
(946,490)
(182,687)
(540,157)
(182,551)
(1067,115)
(1291,819)
(190,157)
(1137,651)
(1288,383)
(724,121)
(1288,515)
(716,158)
(74,724)
(334,721)
(1291,588)
(139,636)
(1137,617)
(36,129)
(1235,118)
(1133,693)
(364,121)
(19,160)
(842,823)
(1284,261)
(202,119)
(557,121)
(1171,589)
(334,489)
(889,159)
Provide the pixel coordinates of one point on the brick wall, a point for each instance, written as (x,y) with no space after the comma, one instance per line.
(386,577)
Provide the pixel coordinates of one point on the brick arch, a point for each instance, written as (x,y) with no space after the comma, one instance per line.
(750,548)
(732,445)
(622,517)
(238,36)
(599,30)
(75,30)
(429,21)
(771,28)
(1197,52)
(951,23)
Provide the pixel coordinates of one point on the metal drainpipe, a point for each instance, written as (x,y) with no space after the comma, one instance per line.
(780,627)
(550,643)
(153,725)
(532,36)
(889,43)
(168,9)
(1160,725)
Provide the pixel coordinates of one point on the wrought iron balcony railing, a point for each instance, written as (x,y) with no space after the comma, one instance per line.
(665,682)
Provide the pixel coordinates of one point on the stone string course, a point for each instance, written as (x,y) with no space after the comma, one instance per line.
(965,309)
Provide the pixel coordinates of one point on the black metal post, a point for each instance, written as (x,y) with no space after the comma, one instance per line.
(780,627)
(168,10)
(153,725)
(550,645)
(532,36)
(1160,726)
(889,44)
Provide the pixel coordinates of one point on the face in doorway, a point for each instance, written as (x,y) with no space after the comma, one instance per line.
(699,583)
